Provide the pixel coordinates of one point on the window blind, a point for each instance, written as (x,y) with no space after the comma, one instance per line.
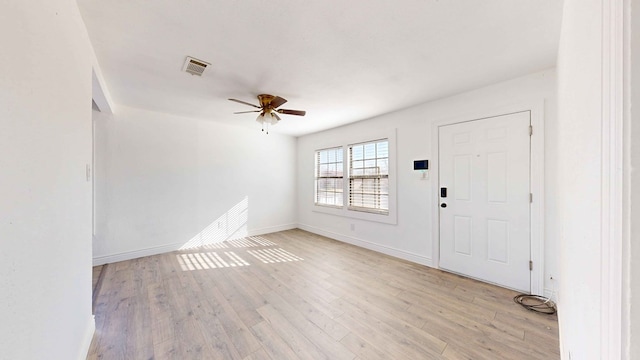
(329,176)
(369,176)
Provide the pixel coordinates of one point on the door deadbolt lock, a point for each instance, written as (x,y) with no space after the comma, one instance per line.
(443,205)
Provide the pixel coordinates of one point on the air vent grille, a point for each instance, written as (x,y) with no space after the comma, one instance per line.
(194,66)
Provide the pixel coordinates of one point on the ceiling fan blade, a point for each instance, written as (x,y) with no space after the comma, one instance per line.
(277,101)
(244,112)
(246,103)
(292,112)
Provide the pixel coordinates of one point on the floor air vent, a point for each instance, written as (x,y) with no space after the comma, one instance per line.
(194,66)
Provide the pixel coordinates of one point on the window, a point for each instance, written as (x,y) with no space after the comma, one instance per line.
(329,177)
(369,176)
(356,178)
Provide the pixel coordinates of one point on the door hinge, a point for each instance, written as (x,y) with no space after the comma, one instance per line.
(530,130)
(530,198)
(530,265)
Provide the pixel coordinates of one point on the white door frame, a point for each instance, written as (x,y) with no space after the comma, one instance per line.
(615,42)
(536,110)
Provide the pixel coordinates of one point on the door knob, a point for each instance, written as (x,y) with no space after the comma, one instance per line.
(443,205)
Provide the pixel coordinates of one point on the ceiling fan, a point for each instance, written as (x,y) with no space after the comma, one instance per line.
(268,109)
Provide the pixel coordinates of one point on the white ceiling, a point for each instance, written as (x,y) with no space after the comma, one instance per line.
(341,61)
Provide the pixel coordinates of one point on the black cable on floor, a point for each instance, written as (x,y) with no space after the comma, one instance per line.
(536,303)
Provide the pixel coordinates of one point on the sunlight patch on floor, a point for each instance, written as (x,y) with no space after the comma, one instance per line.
(241,243)
(251,241)
(262,241)
(209,260)
(274,255)
(222,245)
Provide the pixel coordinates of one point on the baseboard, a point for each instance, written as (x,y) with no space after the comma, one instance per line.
(272,229)
(128,255)
(549,294)
(87,338)
(405,255)
(134,254)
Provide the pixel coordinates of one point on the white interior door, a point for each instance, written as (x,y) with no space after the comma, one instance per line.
(484,166)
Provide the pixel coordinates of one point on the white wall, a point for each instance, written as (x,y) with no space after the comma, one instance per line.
(167,181)
(45,199)
(579,178)
(632,250)
(412,237)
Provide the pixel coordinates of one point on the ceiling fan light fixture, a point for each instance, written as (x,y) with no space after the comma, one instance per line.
(268,110)
(269,118)
(272,119)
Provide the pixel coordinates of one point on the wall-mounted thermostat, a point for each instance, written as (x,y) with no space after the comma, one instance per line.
(423,166)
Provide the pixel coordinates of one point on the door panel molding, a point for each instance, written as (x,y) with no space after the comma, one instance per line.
(499,209)
(536,109)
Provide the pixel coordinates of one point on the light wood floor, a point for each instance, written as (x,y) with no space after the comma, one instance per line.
(296,295)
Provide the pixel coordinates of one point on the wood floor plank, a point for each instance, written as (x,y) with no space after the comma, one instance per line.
(317,335)
(257,278)
(510,311)
(485,337)
(210,321)
(244,299)
(454,314)
(391,325)
(297,295)
(237,332)
(260,354)
(316,309)
(528,322)
(272,343)
(549,343)
(467,342)
(426,300)
(392,304)
(318,313)
(449,331)
(187,348)
(301,285)
(362,348)
(298,342)
(383,338)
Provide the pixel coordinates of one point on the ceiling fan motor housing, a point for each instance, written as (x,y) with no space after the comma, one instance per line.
(265,100)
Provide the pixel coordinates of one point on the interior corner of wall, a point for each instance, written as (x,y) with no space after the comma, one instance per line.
(100,92)
(87,338)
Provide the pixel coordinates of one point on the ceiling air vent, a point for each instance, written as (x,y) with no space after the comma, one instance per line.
(194,66)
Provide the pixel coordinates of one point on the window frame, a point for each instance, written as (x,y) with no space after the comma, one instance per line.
(317,177)
(363,136)
(377,178)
